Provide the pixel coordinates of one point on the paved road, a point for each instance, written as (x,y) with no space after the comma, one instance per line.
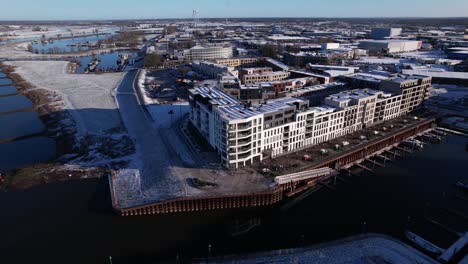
(156,179)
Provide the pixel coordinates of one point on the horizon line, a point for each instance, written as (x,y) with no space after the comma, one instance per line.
(224,18)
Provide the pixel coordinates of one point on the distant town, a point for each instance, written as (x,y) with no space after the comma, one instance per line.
(206,115)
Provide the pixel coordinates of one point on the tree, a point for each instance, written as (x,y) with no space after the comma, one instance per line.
(169,30)
(153,60)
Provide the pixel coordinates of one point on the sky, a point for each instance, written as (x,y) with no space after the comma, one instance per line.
(148,9)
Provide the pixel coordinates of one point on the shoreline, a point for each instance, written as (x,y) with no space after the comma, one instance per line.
(54,170)
(273,194)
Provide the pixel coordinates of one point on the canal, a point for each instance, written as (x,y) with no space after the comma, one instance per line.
(72,222)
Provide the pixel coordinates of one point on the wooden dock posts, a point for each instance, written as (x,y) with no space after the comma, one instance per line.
(402,149)
(327,185)
(394,153)
(277,193)
(444,227)
(457,213)
(375,163)
(363,167)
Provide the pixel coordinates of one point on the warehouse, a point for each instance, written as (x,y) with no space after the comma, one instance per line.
(390,46)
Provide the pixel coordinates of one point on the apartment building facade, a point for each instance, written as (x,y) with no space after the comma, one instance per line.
(243,134)
(200,53)
(236,62)
(263,74)
(213,70)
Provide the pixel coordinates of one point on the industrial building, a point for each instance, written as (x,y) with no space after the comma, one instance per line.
(385,32)
(390,46)
(243,134)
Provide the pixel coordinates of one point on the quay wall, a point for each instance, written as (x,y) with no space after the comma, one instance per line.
(278,193)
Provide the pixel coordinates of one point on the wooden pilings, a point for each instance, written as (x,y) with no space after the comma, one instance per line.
(278,193)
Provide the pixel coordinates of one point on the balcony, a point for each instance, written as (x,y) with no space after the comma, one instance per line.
(243,134)
(243,141)
(243,156)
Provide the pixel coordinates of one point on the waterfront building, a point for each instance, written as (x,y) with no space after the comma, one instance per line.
(243,133)
(199,53)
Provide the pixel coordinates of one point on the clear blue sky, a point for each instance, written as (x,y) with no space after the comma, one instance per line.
(135,9)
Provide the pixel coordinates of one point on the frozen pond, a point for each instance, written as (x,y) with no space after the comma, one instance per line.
(7,90)
(14,103)
(19,125)
(64,45)
(108,60)
(5,81)
(27,151)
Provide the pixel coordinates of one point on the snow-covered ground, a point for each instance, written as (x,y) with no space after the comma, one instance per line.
(377,60)
(433,54)
(448,99)
(89,98)
(371,248)
(53,31)
(142,79)
(163,163)
(18,51)
(165,115)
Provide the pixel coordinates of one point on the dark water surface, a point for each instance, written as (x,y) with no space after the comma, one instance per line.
(23,126)
(14,103)
(26,151)
(5,81)
(20,124)
(7,90)
(64,45)
(108,60)
(72,222)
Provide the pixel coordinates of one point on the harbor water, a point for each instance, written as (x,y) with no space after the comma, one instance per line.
(73,222)
(108,60)
(67,45)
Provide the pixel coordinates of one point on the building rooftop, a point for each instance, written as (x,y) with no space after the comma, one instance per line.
(353,94)
(318,87)
(233,109)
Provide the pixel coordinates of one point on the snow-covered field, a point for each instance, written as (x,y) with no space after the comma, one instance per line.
(53,31)
(448,99)
(18,51)
(371,248)
(89,98)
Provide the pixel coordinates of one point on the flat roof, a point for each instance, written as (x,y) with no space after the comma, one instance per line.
(233,109)
(439,74)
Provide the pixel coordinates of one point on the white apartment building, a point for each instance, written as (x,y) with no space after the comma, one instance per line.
(213,70)
(199,53)
(236,62)
(243,134)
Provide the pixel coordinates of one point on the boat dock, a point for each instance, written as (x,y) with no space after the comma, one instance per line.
(287,186)
(454,249)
